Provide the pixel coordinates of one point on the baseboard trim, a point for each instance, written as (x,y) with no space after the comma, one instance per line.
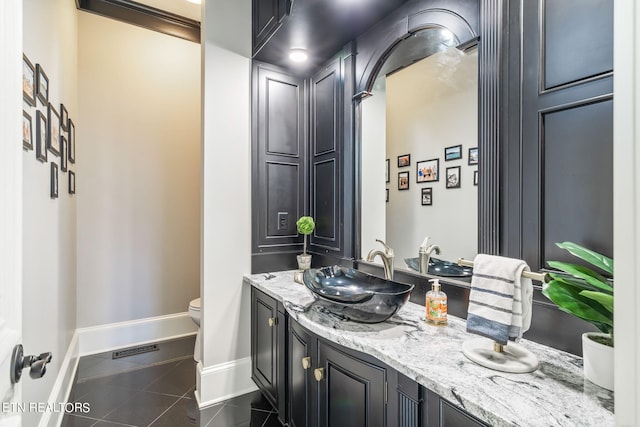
(224,381)
(63,384)
(98,339)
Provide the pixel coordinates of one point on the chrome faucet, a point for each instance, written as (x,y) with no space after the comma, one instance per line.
(425,254)
(387,259)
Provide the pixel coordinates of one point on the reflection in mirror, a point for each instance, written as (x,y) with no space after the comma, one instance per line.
(420,110)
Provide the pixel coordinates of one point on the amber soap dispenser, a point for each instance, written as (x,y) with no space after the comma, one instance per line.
(436,304)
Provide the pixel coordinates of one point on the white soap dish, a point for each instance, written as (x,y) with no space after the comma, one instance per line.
(512,358)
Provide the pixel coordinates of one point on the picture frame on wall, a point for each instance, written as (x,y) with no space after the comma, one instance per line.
(475,177)
(473,156)
(453,153)
(426,196)
(42,85)
(54,180)
(387,174)
(428,170)
(64,118)
(41,137)
(72,142)
(403,180)
(72,182)
(453,177)
(63,154)
(28,81)
(27,131)
(404,160)
(53,135)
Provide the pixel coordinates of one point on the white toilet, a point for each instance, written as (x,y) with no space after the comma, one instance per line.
(194,312)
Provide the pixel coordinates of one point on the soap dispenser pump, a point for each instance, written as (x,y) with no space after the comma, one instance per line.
(436,304)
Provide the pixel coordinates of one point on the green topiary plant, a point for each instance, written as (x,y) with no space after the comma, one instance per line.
(305,227)
(584,292)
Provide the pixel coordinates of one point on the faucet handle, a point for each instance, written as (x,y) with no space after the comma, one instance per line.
(387,249)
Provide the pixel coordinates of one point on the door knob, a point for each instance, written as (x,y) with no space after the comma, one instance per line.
(273,321)
(319,374)
(37,364)
(306,362)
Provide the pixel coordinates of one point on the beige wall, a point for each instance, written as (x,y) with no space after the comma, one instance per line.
(432,105)
(138,173)
(49,226)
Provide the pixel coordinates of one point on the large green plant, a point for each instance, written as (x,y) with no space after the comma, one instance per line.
(583,292)
(305,226)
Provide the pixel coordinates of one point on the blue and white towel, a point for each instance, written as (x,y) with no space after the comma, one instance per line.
(500,300)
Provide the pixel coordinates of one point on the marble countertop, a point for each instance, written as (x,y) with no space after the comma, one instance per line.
(557,394)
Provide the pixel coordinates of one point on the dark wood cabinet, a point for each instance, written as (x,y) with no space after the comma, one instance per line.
(439,412)
(351,391)
(268,345)
(301,381)
(267,17)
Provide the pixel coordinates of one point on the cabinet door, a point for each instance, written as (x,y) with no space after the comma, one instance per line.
(267,18)
(264,344)
(301,364)
(351,392)
(441,413)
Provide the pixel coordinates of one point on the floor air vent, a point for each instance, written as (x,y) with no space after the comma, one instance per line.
(134,350)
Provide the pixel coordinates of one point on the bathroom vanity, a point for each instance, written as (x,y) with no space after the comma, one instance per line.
(317,369)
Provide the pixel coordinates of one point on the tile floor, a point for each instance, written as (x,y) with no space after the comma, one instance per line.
(156,389)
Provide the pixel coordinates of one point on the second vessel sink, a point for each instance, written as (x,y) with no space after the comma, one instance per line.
(440,267)
(358,296)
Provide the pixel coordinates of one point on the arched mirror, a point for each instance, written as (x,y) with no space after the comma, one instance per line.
(419,155)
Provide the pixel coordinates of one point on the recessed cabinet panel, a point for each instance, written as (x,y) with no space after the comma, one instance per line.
(325,200)
(264,338)
(450,416)
(282,121)
(325,110)
(283,181)
(300,379)
(578,178)
(578,40)
(352,392)
(264,344)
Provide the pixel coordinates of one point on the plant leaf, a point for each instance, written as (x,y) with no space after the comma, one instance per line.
(605,300)
(593,258)
(573,281)
(593,278)
(568,299)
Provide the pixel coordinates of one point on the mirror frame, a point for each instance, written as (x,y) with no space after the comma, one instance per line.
(492,128)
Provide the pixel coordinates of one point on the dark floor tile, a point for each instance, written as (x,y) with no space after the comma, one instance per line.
(141,409)
(184,413)
(70,420)
(110,424)
(206,415)
(140,379)
(102,399)
(272,421)
(254,400)
(181,348)
(95,367)
(177,381)
(236,416)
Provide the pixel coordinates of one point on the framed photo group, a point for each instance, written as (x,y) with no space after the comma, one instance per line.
(428,171)
(54,130)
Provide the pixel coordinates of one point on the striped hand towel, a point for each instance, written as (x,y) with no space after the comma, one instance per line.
(500,300)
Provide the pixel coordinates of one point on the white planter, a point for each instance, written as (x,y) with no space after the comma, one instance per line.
(597,361)
(304,262)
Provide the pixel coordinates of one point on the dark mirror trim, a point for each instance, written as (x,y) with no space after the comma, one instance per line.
(144,16)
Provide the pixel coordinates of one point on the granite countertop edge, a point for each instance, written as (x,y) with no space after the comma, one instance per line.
(555,395)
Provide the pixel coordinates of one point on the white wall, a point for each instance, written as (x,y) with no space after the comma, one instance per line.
(226,214)
(373,172)
(432,105)
(138,172)
(627,211)
(49,225)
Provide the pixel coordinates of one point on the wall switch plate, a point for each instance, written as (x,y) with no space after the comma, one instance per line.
(283,220)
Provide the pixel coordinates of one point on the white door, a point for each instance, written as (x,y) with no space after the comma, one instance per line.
(10,202)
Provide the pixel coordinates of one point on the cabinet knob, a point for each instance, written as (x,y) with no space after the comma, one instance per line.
(273,321)
(319,374)
(306,362)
